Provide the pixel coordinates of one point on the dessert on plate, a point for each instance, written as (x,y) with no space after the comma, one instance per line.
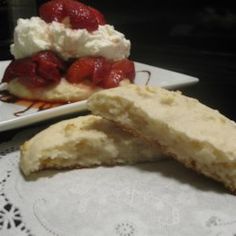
(67,53)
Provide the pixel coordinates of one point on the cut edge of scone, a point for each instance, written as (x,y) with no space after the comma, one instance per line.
(136,108)
(86,141)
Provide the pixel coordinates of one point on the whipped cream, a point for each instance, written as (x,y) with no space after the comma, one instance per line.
(34,35)
(30,36)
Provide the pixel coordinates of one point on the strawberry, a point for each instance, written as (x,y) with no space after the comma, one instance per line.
(47,55)
(25,71)
(19,68)
(80,15)
(100,71)
(49,66)
(49,71)
(95,69)
(127,67)
(98,15)
(102,68)
(113,79)
(80,70)
(40,70)
(120,70)
(52,11)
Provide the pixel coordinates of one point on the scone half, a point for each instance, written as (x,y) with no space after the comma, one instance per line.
(196,135)
(86,141)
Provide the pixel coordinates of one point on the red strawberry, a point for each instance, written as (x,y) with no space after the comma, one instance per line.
(80,15)
(19,68)
(41,69)
(102,68)
(49,71)
(25,71)
(80,70)
(113,79)
(42,56)
(95,69)
(52,11)
(49,66)
(99,16)
(127,67)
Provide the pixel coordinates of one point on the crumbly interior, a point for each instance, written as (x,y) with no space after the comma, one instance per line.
(84,142)
(192,133)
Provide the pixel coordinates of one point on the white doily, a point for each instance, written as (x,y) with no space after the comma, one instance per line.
(160,198)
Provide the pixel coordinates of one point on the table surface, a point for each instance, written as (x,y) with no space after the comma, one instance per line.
(186,39)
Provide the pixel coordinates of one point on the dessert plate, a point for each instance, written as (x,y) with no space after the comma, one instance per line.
(15,116)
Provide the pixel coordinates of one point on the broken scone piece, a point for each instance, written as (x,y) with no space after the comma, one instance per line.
(85,141)
(194,134)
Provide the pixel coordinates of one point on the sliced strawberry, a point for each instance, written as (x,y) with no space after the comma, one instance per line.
(41,69)
(49,71)
(100,71)
(19,68)
(102,68)
(127,67)
(49,56)
(99,16)
(52,11)
(113,79)
(80,16)
(49,66)
(80,70)
(25,71)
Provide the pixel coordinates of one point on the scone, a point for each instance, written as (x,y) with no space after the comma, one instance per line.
(194,134)
(66,53)
(85,141)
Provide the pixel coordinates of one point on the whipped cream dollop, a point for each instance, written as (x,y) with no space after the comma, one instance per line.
(34,35)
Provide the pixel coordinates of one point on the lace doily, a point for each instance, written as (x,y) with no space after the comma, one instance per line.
(160,198)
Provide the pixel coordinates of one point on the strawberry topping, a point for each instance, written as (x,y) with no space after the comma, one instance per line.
(52,11)
(19,68)
(127,67)
(80,70)
(113,79)
(45,68)
(100,72)
(80,15)
(102,68)
(42,69)
(99,16)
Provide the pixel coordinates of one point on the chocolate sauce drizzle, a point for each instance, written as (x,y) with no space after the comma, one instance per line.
(148,75)
(18,113)
(5,96)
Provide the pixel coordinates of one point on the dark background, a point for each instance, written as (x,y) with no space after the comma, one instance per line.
(192,37)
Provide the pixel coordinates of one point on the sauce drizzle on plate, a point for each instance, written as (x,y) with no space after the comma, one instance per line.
(5,96)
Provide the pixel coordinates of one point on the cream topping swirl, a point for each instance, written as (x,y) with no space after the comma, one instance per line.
(34,35)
